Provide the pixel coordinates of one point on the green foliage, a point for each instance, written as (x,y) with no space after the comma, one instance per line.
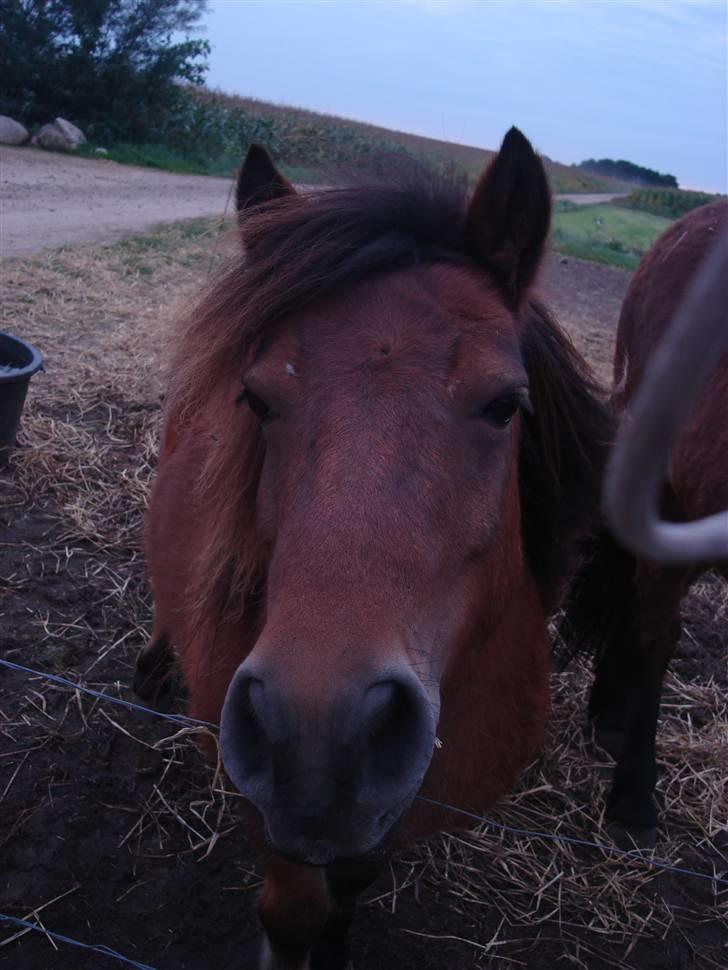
(668,203)
(149,156)
(209,132)
(324,144)
(594,252)
(215,132)
(629,172)
(208,135)
(606,234)
(109,66)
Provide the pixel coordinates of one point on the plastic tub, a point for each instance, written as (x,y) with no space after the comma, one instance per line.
(18,362)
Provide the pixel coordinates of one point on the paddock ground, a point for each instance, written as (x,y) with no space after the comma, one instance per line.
(114,831)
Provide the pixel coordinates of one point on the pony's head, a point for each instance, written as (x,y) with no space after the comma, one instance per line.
(409,443)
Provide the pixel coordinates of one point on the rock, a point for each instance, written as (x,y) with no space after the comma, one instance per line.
(71,132)
(101,151)
(563,260)
(50,137)
(12,132)
(60,136)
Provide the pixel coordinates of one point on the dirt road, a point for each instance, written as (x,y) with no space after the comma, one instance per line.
(48,199)
(593,198)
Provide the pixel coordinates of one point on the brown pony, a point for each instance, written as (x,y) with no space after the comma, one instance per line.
(627,609)
(378,454)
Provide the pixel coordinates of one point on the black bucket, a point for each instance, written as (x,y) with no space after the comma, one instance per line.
(18,362)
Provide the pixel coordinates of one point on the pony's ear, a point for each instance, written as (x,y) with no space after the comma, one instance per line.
(563,450)
(259,180)
(509,215)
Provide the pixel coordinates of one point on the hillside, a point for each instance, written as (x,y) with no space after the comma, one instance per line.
(311,132)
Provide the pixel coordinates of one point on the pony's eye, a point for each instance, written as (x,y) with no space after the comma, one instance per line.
(257,405)
(500,412)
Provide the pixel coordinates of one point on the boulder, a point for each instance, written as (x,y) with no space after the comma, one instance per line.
(50,137)
(60,136)
(71,132)
(12,132)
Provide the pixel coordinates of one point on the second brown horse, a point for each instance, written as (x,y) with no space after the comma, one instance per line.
(626,609)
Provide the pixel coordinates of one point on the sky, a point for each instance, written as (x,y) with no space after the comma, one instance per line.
(645,80)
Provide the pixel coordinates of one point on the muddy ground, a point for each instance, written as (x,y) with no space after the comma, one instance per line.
(114,831)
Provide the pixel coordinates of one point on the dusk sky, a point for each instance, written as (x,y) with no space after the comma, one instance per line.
(644,80)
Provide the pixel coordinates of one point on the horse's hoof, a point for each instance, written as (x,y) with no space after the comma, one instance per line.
(633,812)
(627,838)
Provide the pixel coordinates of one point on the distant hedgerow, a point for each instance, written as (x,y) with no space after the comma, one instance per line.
(669,203)
(629,171)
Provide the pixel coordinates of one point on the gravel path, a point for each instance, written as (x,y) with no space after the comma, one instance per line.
(594,198)
(49,199)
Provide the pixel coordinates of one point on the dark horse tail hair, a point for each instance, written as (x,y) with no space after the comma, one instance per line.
(602,594)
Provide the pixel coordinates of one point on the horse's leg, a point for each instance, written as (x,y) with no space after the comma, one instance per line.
(293,909)
(630,803)
(153,674)
(604,609)
(346,881)
(616,686)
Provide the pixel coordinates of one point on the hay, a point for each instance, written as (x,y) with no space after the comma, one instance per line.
(533,883)
(89,438)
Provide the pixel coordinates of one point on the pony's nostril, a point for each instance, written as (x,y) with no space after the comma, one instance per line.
(379,701)
(363,748)
(245,737)
(256,701)
(397,731)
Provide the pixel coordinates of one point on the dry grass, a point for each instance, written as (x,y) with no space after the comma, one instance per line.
(100,315)
(567,889)
(89,438)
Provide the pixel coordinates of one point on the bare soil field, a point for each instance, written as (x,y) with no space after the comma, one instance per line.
(113,828)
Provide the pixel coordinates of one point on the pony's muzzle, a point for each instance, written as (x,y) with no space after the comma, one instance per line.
(330,779)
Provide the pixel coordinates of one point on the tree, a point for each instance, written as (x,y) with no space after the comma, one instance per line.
(111,66)
(629,171)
